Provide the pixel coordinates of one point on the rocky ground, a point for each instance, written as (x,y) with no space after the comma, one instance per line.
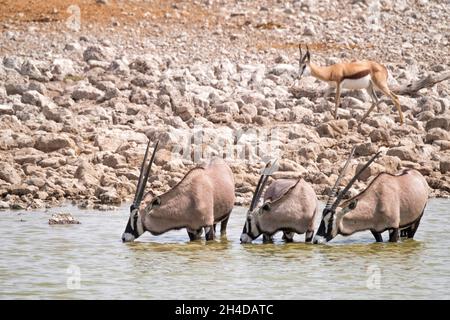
(84,85)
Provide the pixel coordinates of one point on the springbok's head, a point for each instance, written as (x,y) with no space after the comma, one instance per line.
(251,229)
(303,62)
(328,228)
(135,227)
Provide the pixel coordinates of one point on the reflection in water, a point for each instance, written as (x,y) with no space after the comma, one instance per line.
(38,261)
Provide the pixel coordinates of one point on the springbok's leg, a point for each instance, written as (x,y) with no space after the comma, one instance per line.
(371,91)
(209,233)
(309,236)
(378,237)
(267,238)
(288,236)
(337,100)
(194,234)
(394,99)
(223,226)
(393,235)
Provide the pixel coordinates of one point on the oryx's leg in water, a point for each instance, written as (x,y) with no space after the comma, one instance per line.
(209,233)
(267,238)
(288,236)
(309,236)
(194,234)
(393,235)
(377,236)
(223,226)
(411,230)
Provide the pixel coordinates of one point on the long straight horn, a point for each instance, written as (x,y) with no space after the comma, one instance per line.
(300,49)
(141,173)
(267,171)
(333,192)
(349,185)
(143,176)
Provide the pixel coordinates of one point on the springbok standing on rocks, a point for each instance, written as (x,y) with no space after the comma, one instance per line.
(289,205)
(390,202)
(204,197)
(353,75)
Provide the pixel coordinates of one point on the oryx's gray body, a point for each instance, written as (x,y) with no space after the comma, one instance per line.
(290,206)
(389,203)
(204,197)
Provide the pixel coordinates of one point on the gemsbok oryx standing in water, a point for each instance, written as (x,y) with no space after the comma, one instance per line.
(290,206)
(363,74)
(204,197)
(390,202)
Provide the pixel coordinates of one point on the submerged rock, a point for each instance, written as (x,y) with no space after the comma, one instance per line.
(62,218)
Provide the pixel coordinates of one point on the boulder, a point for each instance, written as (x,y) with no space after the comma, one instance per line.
(437,134)
(61,68)
(404,153)
(228,107)
(333,128)
(438,122)
(6,109)
(249,110)
(366,149)
(9,174)
(62,218)
(114,160)
(35,98)
(444,165)
(30,69)
(379,135)
(86,92)
(52,142)
(220,117)
(86,173)
(96,52)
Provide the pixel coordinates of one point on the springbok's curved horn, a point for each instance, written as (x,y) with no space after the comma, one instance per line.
(269,168)
(333,192)
(300,49)
(349,185)
(143,176)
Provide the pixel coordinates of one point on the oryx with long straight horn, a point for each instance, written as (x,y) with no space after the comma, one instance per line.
(203,198)
(290,206)
(391,202)
(365,74)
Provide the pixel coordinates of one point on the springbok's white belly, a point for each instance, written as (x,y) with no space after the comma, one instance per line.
(360,83)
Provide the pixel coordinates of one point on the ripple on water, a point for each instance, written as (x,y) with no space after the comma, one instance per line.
(38,261)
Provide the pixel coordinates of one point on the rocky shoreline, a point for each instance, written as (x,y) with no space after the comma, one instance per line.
(78,107)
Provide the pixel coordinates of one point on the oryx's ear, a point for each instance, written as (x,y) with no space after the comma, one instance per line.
(307,55)
(266,207)
(156,202)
